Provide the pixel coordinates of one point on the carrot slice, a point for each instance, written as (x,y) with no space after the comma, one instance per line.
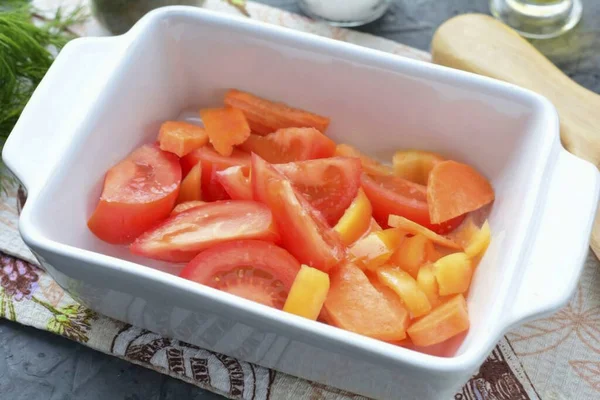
(406,287)
(226,127)
(370,166)
(308,293)
(265,116)
(455,189)
(445,321)
(356,219)
(188,205)
(412,253)
(415,165)
(191,185)
(181,137)
(355,305)
(453,273)
(290,144)
(414,228)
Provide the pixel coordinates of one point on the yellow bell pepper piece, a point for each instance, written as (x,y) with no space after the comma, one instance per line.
(308,293)
(356,219)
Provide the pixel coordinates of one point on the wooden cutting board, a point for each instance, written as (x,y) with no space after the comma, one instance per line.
(481,44)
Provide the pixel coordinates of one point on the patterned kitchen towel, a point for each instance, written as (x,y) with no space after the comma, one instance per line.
(552,358)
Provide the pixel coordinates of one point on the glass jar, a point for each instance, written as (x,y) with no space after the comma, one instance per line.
(345,12)
(118,16)
(538,19)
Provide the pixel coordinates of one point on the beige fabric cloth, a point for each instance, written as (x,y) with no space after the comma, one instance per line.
(552,358)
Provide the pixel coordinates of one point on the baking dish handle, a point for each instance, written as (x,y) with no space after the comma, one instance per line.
(561,245)
(46,126)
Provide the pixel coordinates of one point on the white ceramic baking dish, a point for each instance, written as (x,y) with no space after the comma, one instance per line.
(105,96)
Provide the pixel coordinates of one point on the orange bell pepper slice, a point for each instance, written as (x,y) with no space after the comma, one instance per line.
(415,165)
(181,138)
(414,228)
(479,241)
(308,293)
(453,273)
(428,284)
(455,189)
(356,219)
(226,128)
(265,116)
(412,253)
(443,322)
(191,185)
(354,304)
(406,287)
(375,249)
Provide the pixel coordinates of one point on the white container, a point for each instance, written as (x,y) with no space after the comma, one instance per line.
(115,92)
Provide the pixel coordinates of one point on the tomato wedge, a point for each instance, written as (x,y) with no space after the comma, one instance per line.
(290,144)
(253,269)
(138,192)
(181,237)
(304,231)
(212,162)
(235,183)
(391,194)
(329,184)
(181,207)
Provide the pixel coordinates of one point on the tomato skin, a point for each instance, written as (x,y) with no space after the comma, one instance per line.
(329,184)
(394,195)
(212,162)
(207,267)
(181,237)
(411,204)
(304,231)
(138,192)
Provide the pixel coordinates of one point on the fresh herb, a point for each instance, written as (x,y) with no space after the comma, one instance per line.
(240,5)
(28,44)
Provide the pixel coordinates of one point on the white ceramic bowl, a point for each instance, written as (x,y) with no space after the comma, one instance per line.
(105,96)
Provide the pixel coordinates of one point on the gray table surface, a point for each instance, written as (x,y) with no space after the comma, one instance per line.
(37,365)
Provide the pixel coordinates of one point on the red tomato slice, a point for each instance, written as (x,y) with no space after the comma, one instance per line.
(212,162)
(181,237)
(391,194)
(304,231)
(290,144)
(253,269)
(235,183)
(329,184)
(138,193)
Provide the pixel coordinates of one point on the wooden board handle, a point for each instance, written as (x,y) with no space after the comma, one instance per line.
(481,44)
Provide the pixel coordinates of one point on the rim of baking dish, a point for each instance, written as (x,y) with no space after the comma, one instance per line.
(375,351)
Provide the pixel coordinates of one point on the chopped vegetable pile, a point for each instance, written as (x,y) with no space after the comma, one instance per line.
(260,203)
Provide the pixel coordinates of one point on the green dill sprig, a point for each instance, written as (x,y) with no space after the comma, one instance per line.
(28,44)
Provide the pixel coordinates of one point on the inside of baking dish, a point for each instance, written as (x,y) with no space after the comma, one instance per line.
(376,104)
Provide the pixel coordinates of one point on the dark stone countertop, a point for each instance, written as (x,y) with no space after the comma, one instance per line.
(37,365)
